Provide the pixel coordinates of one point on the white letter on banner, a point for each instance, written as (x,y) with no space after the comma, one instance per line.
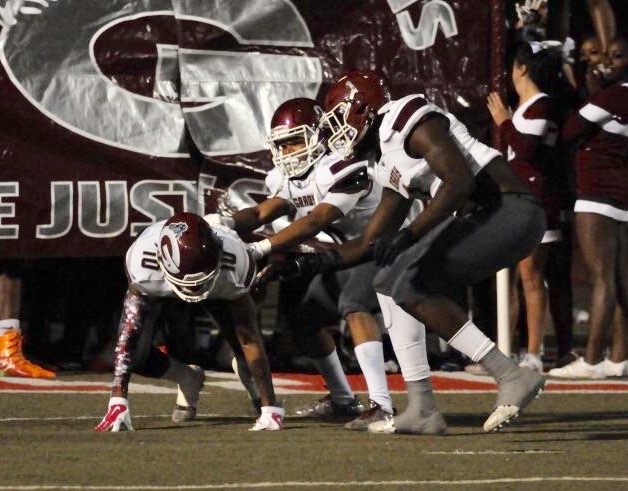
(8,210)
(61,211)
(90,212)
(435,14)
(144,199)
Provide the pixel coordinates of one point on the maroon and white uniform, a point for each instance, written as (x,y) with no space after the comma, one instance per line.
(602,156)
(344,184)
(461,250)
(236,272)
(532,136)
(411,176)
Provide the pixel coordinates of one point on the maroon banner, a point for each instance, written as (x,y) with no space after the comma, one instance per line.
(117,113)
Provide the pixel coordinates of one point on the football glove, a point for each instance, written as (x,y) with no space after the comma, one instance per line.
(305,265)
(118,416)
(385,251)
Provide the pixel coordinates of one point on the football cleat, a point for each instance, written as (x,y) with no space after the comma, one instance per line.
(12,360)
(118,416)
(514,395)
(434,424)
(187,396)
(327,408)
(271,419)
(375,413)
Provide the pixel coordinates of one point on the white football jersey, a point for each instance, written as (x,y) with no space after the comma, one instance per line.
(413,177)
(236,273)
(344,184)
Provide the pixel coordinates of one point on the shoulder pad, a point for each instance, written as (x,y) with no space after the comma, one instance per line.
(355,182)
(405,114)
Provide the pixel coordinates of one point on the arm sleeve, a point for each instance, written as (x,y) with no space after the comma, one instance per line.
(131,324)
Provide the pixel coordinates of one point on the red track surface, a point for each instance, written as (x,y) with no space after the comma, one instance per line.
(443,382)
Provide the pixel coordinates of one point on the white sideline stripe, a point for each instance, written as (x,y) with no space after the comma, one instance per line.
(78,418)
(343,484)
(492,452)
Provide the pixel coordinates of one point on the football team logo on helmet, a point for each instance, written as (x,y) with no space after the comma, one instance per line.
(295,139)
(170,254)
(351,106)
(189,256)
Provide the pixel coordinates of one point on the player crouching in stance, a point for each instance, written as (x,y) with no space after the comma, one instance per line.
(324,192)
(187,259)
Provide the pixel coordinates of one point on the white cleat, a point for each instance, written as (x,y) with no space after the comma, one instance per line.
(501,416)
(386,426)
(514,396)
(434,424)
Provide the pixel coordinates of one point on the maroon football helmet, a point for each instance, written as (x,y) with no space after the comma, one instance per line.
(295,141)
(351,106)
(189,255)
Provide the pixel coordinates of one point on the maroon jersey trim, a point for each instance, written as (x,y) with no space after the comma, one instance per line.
(406,113)
(343,164)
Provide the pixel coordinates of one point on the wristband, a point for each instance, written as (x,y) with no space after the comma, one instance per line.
(261,248)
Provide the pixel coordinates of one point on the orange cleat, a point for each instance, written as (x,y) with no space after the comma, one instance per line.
(12,361)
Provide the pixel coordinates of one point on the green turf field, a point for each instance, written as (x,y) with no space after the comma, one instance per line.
(563,441)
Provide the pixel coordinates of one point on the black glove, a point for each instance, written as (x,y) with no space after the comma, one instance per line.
(305,265)
(385,251)
(322,262)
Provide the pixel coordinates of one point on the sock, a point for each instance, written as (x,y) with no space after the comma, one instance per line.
(407,336)
(371,359)
(499,366)
(336,380)
(7,324)
(421,404)
(470,341)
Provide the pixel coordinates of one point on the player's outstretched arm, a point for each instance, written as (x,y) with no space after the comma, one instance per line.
(131,323)
(305,228)
(254,217)
(247,338)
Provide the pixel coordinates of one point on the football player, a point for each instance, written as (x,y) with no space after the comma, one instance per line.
(324,191)
(185,258)
(479,218)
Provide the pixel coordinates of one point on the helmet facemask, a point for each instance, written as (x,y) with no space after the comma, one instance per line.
(297,162)
(347,123)
(189,256)
(194,287)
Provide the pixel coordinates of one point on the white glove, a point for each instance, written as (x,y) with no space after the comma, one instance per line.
(118,415)
(271,419)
